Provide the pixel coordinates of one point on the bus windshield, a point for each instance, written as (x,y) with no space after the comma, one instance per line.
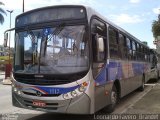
(57,50)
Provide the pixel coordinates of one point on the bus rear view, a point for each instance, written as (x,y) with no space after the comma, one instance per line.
(51,62)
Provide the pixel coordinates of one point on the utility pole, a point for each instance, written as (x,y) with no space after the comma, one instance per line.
(7,79)
(10,11)
(159,16)
(23,7)
(9,66)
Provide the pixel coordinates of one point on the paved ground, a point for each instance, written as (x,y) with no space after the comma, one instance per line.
(146,102)
(2,76)
(130,100)
(6,103)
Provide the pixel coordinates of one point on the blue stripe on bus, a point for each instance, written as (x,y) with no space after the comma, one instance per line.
(138,68)
(101,78)
(112,65)
(115,70)
(53,90)
(120,73)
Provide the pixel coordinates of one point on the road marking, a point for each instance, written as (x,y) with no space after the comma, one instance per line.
(140,96)
(129,100)
(153,84)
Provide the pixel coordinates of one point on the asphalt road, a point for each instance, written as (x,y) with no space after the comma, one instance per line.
(8,111)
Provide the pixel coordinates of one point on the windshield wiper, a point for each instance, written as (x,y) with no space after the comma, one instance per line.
(57,30)
(34,48)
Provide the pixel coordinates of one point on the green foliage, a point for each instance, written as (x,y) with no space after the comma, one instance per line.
(156,28)
(5,59)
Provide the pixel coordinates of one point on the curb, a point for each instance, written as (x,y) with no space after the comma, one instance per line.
(7,81)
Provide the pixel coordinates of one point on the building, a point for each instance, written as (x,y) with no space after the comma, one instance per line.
(3,51)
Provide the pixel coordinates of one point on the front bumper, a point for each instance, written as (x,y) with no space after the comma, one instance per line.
(77,105)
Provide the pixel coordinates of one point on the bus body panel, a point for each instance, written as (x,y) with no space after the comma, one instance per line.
(128,73)
(102,96)
(82,104)
(79,105)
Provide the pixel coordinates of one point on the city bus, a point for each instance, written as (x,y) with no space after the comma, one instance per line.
(70,59)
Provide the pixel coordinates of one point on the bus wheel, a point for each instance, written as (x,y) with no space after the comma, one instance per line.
(157,76)
(114,99)
(142,86)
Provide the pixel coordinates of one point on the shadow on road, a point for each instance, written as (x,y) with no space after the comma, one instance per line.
(49,116)
(152,81)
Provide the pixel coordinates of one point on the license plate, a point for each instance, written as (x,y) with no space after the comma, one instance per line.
(39,103)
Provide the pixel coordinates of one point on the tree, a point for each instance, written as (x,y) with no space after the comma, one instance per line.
(1,14)
(156,28)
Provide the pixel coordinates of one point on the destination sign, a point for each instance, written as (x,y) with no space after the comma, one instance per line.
(50,14)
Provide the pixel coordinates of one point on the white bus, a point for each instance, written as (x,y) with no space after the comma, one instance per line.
(70,59)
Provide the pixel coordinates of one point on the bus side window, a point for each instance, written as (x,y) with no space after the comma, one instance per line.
(98,31)
(145,53)
(134,48)
(142,53)
(149,55)
(122,46)
(129,49)
(138,52)
(113,43)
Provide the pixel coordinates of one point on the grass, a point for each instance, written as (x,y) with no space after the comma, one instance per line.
(5,59)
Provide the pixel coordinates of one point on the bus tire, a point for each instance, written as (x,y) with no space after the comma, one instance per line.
(114,99)
(141,88)
(157,76)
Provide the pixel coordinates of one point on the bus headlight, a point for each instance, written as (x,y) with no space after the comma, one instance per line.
(66,96)
(19,92)
(76,92)
(81,89)
(15,89)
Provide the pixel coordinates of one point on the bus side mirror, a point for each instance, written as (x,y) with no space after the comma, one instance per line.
(100,44)
(5,39)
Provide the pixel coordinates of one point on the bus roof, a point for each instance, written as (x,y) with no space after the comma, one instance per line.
(90,12)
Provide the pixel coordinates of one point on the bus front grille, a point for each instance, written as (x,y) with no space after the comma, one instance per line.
(43,95)
(42,81)
(48,79)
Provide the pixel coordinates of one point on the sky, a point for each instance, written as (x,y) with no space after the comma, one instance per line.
(134,16)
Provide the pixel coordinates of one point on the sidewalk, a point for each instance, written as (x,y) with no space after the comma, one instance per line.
(2,75)
(149,104)
(4,81)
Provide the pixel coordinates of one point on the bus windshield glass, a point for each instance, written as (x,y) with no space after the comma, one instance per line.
(57,50)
